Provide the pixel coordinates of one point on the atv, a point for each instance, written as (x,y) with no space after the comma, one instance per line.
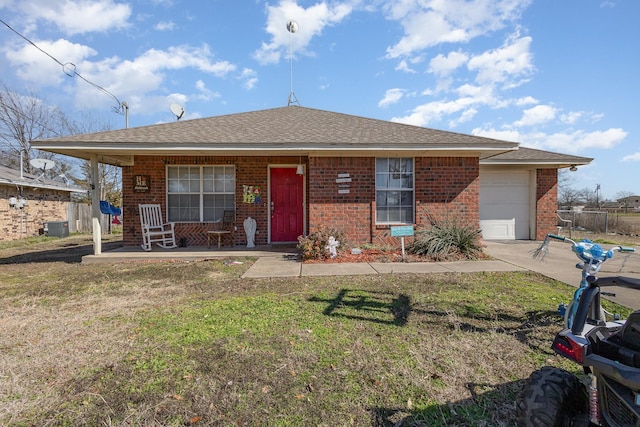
(608,351)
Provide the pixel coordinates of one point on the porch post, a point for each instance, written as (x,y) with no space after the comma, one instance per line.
(95,205)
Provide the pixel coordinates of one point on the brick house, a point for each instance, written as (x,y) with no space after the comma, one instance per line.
(27,203)
(296,169)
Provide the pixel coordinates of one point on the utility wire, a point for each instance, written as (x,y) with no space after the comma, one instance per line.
(69,69)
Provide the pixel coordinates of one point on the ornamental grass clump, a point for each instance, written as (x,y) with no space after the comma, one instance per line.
(314,246)
(447,239)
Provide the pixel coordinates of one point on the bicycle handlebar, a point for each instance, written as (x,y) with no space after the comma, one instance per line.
(586,250)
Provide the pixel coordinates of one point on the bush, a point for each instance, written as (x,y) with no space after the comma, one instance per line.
(447,239)
(314,246)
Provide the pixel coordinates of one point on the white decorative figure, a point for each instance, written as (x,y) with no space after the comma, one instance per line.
(250,230)
(332,245)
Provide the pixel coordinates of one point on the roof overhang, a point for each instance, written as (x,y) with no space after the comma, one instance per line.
(40,185)
(120,154)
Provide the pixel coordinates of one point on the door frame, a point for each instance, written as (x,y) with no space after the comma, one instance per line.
(304,198)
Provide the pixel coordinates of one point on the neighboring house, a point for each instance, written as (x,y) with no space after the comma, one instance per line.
(629,202)
(27,202)
(296,169)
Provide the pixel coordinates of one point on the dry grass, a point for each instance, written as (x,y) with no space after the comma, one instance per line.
(193,344)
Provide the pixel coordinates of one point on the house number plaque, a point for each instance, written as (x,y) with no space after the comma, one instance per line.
(141,183)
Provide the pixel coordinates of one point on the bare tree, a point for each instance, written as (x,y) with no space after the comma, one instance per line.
(24,118)
(109,176)
(569,197)
(589,197)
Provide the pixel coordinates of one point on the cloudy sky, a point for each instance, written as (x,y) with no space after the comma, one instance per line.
(554,75)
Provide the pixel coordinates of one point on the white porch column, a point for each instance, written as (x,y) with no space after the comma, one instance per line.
(95,205)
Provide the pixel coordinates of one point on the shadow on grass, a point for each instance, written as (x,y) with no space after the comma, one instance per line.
(378,307)
(490,405)
(531,328)
(71,253)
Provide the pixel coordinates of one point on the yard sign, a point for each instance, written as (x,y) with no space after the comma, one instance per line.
(402,231)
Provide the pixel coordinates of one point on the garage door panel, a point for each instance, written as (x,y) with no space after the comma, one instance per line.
(504,204)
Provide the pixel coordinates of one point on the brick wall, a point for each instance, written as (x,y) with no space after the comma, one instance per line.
(444,186)
(351,213)
(42,206)
(546,202)
(249,171)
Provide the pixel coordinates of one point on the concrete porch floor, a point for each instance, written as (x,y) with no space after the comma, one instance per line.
(190,253)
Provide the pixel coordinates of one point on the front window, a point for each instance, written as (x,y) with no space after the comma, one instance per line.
(200,193)
(394,191)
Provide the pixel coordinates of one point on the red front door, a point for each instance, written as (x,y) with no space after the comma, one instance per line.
(287,205)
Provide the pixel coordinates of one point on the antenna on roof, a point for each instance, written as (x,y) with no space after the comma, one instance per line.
(292,27)
(177,110)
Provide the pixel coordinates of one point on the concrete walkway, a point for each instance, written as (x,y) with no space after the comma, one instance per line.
(282,266)
(509,256)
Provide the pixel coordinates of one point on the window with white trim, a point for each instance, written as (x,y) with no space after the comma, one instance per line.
(394,191)
(200,193)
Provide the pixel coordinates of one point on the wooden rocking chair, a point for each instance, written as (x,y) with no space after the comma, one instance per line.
(154,229)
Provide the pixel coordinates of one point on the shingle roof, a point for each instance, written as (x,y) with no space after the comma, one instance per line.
(13,177)
(532,155)
(283,130)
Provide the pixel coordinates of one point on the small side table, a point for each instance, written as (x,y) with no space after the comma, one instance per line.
(218,233)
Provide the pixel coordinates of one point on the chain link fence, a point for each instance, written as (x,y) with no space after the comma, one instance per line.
(600,221)
(596,222)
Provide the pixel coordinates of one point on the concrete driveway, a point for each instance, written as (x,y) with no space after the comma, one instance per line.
(560,265)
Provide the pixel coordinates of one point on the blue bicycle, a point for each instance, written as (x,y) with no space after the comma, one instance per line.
(592,256)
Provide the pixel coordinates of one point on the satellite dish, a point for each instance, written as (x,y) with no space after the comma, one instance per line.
(177,110)
(43,164)
(292,26)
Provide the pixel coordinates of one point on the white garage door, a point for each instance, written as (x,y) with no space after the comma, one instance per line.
(504,205)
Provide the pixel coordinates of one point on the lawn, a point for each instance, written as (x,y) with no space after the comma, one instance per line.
(180,344)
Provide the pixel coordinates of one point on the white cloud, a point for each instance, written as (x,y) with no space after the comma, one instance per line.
(567,142)
(34,66)
(635,157)
(444,65)
(78,17)
(429,23)
(434,111)
(508,64)
(250,78)
(404,66)
(536,115)
(204,93)
(311,22)
(571,117)
(391,96)
(135,80)
(574,117)
(165,26)
(527,100)
(467,115)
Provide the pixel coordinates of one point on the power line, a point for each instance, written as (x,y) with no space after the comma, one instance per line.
(69,69)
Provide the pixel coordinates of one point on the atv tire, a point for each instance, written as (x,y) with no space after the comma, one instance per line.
(553,397)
